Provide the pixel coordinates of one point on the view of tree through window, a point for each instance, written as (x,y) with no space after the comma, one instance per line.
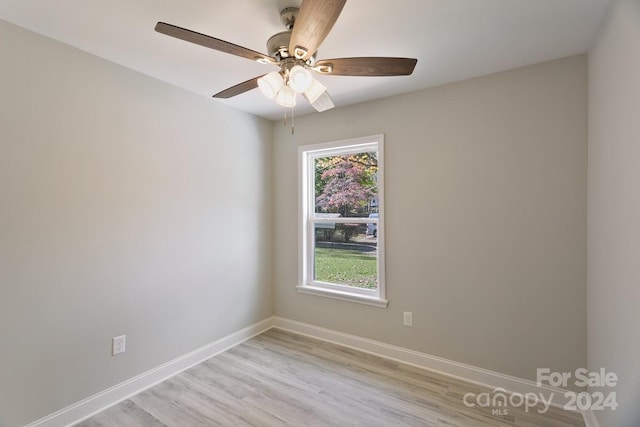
(341,220)
(346,251)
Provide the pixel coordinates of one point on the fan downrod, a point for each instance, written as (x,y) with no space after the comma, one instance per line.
(288,17)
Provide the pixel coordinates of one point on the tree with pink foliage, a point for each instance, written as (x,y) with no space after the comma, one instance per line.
(346,183)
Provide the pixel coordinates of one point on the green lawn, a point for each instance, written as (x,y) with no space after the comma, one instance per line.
(346,267)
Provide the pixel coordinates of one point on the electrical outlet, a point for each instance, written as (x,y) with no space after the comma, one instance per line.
(118,345)
(408,318)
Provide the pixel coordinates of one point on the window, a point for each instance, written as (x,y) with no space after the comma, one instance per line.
(341,220)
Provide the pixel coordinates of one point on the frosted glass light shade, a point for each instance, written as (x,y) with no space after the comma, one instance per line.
(286,97)
(300,79)
(315,90)
(270,84)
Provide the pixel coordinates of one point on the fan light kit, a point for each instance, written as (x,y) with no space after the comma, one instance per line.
(294,52)
(284,89)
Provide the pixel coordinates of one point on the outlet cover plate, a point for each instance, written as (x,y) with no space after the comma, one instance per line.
(118,345)
(408,318)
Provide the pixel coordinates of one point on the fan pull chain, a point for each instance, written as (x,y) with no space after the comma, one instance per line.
(284,121)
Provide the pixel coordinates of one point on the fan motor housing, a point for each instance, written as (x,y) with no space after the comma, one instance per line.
(278,45)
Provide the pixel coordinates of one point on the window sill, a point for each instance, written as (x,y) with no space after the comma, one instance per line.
(343,295)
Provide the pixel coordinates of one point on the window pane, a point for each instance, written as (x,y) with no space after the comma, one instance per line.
(346,185)
(345,254)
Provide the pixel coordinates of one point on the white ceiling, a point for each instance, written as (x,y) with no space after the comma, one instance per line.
(452,39)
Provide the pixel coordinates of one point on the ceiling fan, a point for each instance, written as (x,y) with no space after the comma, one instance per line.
(294,52)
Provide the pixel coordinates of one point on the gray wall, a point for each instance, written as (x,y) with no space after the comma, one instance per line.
(485,219)
(128,206)
(132,207)
(613,285)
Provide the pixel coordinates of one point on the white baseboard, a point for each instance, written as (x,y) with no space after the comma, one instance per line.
(483,377)
(98,402)
(450,368)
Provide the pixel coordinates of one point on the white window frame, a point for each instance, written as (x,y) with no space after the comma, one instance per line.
(307,220)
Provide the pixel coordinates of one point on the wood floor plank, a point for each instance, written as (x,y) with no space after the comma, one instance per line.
(283,379)
(125,414)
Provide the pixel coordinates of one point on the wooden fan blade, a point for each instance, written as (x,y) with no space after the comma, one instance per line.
(238,89)
(211,42)
(314,21)
(366,66)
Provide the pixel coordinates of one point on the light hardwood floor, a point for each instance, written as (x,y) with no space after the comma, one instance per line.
(279,378)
